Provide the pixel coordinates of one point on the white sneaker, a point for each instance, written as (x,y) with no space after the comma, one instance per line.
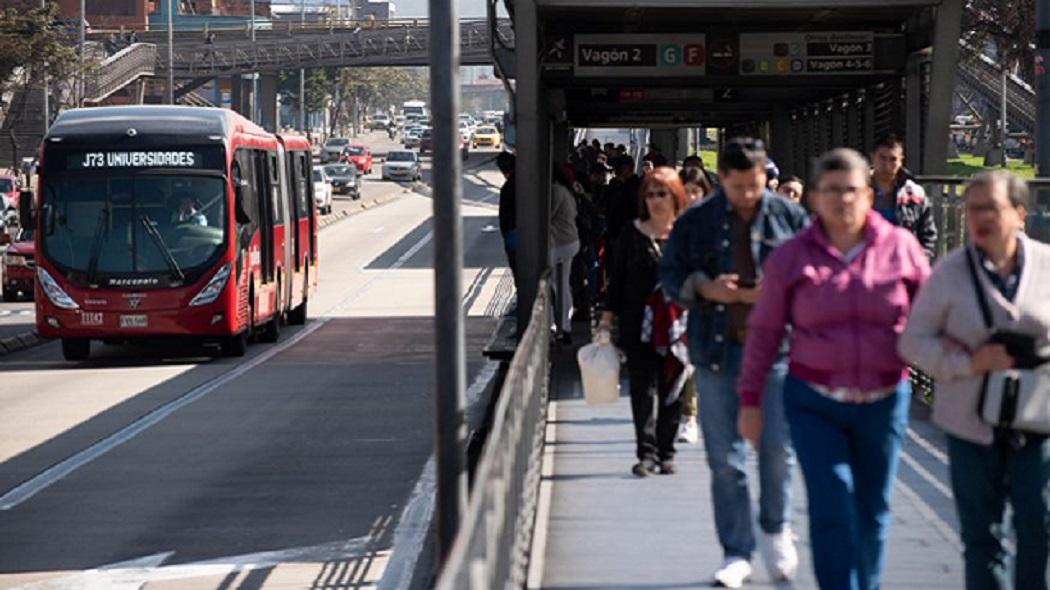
(733,573)
(781,556)
(688,432)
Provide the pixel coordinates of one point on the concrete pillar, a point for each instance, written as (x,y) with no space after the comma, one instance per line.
(239,91)
(913,112)
(268,101)
(942,84)
(532,169)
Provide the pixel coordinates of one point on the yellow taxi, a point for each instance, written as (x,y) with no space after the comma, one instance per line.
(487,136)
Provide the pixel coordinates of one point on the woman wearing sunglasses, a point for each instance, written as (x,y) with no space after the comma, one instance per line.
(633,286)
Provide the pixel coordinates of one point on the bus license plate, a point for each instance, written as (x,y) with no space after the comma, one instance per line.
(134,321)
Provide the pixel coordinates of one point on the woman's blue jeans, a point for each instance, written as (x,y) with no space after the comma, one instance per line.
(849,454)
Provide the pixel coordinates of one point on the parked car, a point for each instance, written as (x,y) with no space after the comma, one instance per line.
(487,136)
(19,266)
(411,139)
(402,165)
(8,196)
(360,156)
(380,121)
(344,179)
(333,149)
(322,191)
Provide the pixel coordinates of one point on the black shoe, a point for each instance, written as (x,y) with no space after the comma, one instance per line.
(644,468)
(667,467)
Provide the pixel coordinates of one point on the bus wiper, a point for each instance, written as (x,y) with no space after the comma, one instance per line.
(96,244)
(151,230)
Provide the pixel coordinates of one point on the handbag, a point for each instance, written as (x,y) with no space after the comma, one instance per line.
(600,370)
(1019,398)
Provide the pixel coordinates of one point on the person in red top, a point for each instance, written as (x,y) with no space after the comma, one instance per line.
(845,286)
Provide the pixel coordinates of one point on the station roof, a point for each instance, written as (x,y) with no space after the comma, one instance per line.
(720,62)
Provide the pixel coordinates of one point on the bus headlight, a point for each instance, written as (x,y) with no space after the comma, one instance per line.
(56,294)
(214,288)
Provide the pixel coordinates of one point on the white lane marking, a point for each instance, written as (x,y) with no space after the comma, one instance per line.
(378,229)
(401,261)
(411,531)
(16,312)
(136,573)
(538,552)
(55,473)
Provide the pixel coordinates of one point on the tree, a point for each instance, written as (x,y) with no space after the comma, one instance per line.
(1008,27)
(318,89)
(31,43)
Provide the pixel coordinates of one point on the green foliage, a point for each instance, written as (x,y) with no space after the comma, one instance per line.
(969,165)
(338,88)
(28,40)
(1009,26)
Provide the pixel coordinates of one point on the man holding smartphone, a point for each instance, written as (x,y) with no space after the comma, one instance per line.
(713,265)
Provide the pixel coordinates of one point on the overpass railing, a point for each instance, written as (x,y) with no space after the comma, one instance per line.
(120,69)
(945,194)
(491,550)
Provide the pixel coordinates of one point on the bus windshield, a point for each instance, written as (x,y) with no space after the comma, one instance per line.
(134,223)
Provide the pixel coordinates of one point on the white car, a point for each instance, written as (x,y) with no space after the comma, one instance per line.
(333,149)
(322,191)
(402,165)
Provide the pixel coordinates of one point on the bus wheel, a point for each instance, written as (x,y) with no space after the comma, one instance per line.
(76,349)
(236,345)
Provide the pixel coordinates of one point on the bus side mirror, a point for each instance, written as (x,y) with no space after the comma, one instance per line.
(240,211)
(25,209)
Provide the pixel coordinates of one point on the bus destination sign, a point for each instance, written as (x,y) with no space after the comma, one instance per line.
(143,159)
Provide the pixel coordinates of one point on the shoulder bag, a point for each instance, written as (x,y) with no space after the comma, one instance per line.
(1015,399)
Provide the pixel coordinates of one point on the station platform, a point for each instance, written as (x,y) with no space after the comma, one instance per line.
(599,526)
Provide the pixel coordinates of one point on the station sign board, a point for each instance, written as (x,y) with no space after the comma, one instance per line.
(639,55)
(779,54)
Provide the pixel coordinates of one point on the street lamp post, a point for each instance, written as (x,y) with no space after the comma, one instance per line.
(47,90)
(302,74)
(83,40)
(171,52)
(255,75)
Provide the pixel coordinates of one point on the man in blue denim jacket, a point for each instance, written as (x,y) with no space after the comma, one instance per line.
(713,264)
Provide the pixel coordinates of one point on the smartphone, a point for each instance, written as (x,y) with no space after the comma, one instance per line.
(747,283)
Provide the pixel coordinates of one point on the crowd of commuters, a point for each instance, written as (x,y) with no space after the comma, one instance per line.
(795,297)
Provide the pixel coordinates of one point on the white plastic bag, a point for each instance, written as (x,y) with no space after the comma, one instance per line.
(600,368)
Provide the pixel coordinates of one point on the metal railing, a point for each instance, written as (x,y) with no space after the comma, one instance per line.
(119,70)
(293,47)
(945,194)
(491,549)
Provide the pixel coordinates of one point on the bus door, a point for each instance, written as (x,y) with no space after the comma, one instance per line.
(286,219)
(265,204)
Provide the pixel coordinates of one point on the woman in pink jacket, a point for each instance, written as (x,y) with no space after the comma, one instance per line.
(845,286)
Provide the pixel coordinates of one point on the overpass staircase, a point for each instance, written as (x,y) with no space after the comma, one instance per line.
(983,77)
(22,128)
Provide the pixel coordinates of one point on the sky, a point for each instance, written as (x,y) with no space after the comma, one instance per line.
(412,8)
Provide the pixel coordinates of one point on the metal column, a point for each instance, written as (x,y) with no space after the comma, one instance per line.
(780,141)
(268,101)
(532,169)
(1042,110)
(942,85)
(449,339)
(913,112)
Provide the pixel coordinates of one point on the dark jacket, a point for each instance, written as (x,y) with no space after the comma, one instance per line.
(914,212)
(622,204)
(701,248)
(634,275)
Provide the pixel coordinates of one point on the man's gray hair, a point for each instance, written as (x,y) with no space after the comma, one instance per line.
(839,160)
(1016,187)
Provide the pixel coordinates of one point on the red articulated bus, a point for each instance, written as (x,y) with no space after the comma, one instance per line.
(163,221)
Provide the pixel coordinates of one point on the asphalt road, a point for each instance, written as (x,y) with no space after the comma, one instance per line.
(162,467)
